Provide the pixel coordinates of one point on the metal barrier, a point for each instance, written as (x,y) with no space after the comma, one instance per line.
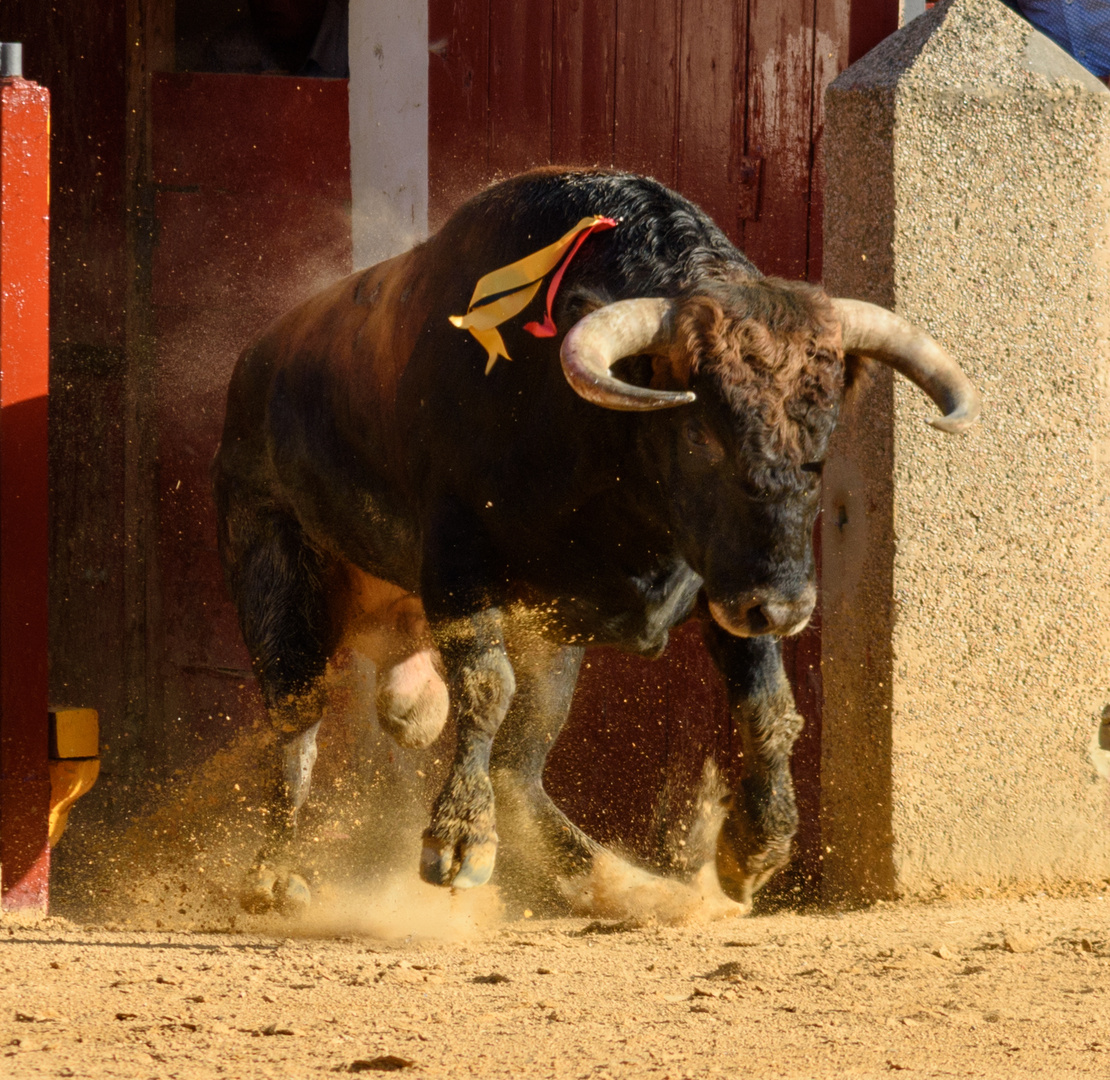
(24,361)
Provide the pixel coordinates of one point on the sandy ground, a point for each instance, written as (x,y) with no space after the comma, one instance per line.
(987,987)
(157,974)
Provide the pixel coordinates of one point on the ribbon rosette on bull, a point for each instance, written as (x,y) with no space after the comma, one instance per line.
(507,291)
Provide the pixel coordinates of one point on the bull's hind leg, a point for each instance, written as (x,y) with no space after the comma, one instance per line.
(757,834)
(276,580)
(540,843)
(387,624)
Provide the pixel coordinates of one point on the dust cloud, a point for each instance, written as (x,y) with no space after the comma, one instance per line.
(180,865)
(692,894)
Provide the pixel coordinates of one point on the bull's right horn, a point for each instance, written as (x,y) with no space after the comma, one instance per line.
(624,328)
(869,330)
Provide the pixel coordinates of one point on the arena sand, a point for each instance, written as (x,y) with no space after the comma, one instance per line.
(156,973)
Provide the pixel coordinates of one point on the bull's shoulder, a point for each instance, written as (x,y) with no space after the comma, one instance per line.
(360,329)
(332,362)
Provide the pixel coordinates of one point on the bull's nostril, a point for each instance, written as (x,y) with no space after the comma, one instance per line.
(758,622)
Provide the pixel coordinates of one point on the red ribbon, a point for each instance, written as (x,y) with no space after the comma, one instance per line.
(547,327)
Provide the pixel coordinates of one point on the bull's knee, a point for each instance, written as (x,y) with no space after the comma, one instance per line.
(485,688)
(412,700)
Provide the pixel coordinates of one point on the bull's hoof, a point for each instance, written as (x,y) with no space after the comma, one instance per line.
(460,845)
(461,866)
(268,889)
(743,875)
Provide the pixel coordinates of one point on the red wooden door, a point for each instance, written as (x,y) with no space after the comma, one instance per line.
(252,203)
(720,99)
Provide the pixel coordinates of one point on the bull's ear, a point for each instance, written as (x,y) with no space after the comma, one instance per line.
(858,373)
(577,303)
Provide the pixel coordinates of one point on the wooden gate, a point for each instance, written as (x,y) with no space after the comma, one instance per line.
(720,99)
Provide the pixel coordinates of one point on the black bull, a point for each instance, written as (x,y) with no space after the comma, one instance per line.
(657,460)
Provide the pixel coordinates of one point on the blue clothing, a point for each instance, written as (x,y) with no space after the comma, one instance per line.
(1081,27)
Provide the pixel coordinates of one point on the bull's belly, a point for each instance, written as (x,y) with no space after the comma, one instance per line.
(387,623)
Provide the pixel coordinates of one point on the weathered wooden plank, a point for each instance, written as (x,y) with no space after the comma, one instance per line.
(583,87)
(710,107)
(79,57)
(871,21)
(520,85)
(297,145)
(698,728)
(239,246)
(780,103)
(830,57)
(617,730)
(458,103)
(646,117)
(224,250)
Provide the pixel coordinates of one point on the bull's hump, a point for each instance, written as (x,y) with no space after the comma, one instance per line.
(362,330)
(391,311)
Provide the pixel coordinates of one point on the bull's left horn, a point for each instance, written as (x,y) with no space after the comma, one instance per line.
(597,341)
(869,330)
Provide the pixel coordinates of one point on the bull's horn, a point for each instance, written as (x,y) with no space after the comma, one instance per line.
(869,330)
(597,341)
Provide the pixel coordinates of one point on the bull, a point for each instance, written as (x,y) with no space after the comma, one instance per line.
(653,456)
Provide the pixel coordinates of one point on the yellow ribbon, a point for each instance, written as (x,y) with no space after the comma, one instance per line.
(519,282)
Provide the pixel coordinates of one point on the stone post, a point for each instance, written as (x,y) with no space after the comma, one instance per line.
(966,619)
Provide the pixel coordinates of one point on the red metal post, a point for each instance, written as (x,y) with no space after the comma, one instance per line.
(24,360)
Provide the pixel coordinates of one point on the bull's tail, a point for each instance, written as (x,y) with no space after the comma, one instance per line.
(694,845)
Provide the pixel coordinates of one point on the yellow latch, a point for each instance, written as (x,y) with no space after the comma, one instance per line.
(74,762)
(74,733)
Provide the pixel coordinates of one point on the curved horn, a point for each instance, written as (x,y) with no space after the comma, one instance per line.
(597,341)
(869,330)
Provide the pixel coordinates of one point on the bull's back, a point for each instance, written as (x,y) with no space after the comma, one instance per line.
(363,406)
(311,424)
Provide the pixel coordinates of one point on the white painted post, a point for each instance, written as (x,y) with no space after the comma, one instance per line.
(389,127)
(910,10)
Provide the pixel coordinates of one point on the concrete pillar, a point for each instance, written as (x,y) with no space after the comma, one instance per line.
(966,643)
(388,52)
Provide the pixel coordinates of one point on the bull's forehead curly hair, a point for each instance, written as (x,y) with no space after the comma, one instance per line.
(773,348)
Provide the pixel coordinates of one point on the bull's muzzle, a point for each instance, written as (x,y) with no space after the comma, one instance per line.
(765,611)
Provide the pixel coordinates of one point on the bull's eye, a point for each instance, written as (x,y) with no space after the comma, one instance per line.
(702,444)
(697,434)
(816,467)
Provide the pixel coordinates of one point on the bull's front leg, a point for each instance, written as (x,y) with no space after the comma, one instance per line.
(756,837)
(460,845)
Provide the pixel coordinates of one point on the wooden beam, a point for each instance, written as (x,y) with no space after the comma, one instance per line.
(870,22)
(143,727)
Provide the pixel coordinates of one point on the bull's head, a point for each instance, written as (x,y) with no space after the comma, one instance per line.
(761,365)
